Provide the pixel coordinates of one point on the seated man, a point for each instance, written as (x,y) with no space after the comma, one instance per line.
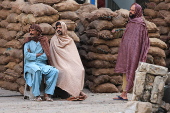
(36,58)
(66,59)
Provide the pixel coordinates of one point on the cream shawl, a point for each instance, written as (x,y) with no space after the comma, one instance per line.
(66,59)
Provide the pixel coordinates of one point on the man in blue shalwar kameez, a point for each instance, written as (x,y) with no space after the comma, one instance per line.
(37,62)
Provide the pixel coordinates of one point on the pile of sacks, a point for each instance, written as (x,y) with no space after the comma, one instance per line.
(100,32)
(15,20)
(157,11)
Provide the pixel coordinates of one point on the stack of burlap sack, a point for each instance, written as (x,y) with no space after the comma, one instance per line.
(100,32)
(158,12)
(15,20)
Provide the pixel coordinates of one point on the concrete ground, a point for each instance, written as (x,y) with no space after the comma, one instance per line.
(13,102)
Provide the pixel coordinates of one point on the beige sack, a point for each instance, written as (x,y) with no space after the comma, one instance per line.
(47,29)
(105,34)
(114,50)
(158,43)
(101,79)
(18,69)
(14,27)
(6,4)
(123,12)
(2,69)
(2,50)
(118,32)
(156,51)
(68,15)
(92,33)
(103,71)
(167,1)
(154,35)
(151,27)
(150,12)
(45,1)
(119,21)
(2,42)
(4,13)
(159,22)
(17,53)
(7,35)
(12,18)
(162,6)
(118,80)
(163,30)
(151,5)
(10,65)
(99,64)
(4,23)
(73,36)
(159,61)
(14,44)
(6,59)
(106,88)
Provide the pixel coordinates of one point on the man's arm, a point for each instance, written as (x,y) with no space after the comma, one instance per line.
(27,54)
(42,56)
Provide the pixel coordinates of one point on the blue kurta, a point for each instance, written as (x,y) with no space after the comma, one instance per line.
(37,66)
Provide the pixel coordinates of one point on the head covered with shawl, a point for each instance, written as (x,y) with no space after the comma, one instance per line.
(43,40)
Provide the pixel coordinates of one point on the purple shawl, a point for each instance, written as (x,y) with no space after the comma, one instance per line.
(133,48)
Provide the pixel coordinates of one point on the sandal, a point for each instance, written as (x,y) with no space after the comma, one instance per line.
(38,99)
(48,99)
(80,98)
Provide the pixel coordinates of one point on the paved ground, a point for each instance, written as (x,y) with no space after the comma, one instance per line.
(95,103)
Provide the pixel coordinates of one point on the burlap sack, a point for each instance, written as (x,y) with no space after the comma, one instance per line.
(111,43)
(73,36)
(167,1)
(16,7)
(4,23)
(2,42)
(14,44)
(101,79)
(80,28)
(12,73)
(162,6)
(163,30)
(167,52)
(163,13)
(19,35)
(10,86)
(9,78)
(106,88)
(151,5)
(86,7)
(84,39)
(119,21)
(6,4)
(151,27)
(100,25)
(114,50)
(2,50)
(98,64)
(156,51)
(105,34)
(154,35)
(68,15)
(21,89)
(2,69)
(167,19)
(18,69)
(20,81)
(1,5)
(4,13)
(159,61)
(156,1)
(117,79)
(21,18)
(149,59)
(45,1)
(42,9)
(83,19)
(158,43)
(105,57)
(159,22)
(21,64)
(47,29)
(150,12)
(67,6)
(164,38)
(103,71)
(10,65)
(8,35)
(92,33)
(14,27)
(12,18)
(17,53)
(123,12)
(118,32)
(25,28)
(103,49)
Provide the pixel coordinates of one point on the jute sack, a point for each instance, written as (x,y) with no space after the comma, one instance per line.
(6,4)
(86,7)
(80,28)
(19,35)
(150,12)
(2,69)
(118,32)
(12,73)
(118,80)
(14,44)
(84,39)
(123,12)
(10,86)
(105,34)
(14,27)
(2,50)
(151,27)
(103,49)
(159,22)
(156,51)
(90,85)
(99,64)
(156,1)
(4,23)
(167,19)
(167,1)
(111,43)
(21,18)
(20,81)
(4,13)
(21,89)
(67,6)
(100,25)
(163,30)
(101,79)
(106,88)
(2,42)
(30,19)
(1,5)
(159,61)
(162,6)
(21,64)
(12,18)
(9,78)
(163,13)
(167,52)
(9,35)
(42,9)
(25,28)
(10,65)
(151,5)
(5,59)
(45,1)
(114,50)
(105,57)
(18,69)
(158,43)
(17,53)
(15,7)
(83,19)
(149,59)
(164,38)
(73,36)
(154,35)
(47,29)
(92,33)
(119,21)
(102,71)
(69,15)
(83,53)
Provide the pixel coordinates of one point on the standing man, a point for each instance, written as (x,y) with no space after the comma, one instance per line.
(133,49)
(66,59)
(36,58)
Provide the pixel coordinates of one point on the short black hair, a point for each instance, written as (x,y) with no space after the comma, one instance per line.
(58,23)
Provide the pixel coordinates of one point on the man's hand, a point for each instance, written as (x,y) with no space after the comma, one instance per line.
(39,54)
(29,50)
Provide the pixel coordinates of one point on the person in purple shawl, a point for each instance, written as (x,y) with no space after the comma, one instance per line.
(133,49)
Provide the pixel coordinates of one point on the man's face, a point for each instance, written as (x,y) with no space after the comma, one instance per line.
(132,12)
(34,33)
(59,29)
